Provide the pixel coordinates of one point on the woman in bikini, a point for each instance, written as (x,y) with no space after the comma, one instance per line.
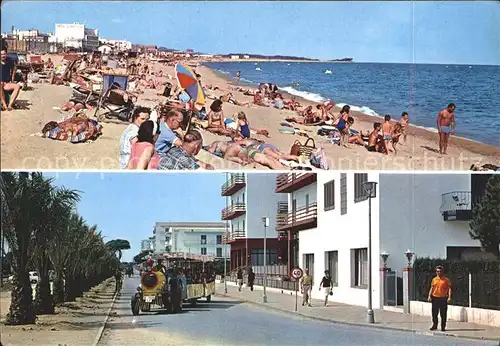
(216,122)
(232,151)
(266,148)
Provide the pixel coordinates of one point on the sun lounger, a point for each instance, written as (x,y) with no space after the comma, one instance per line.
(113,110)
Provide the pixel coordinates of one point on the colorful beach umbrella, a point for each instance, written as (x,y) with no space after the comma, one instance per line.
(187,81)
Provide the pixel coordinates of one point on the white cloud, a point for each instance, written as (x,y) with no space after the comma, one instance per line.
(117,20)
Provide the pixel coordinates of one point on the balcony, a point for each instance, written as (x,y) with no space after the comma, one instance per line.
(456,206)
(235,183)
(289,182)
(298,220)
(233,235)
(233,211)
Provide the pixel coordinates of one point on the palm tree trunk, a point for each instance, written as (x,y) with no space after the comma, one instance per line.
(69,288)
(58,288)
(44,302)
(21,309)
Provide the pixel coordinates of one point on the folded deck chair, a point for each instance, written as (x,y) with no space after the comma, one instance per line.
(113,110)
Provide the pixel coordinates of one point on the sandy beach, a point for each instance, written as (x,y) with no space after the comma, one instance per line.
(22,149)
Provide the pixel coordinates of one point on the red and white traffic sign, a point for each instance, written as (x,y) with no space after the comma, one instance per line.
(297,273)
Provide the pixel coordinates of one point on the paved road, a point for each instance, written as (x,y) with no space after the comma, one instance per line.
(230,322)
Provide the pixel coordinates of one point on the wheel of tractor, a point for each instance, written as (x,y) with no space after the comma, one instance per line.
(146,307)
(136,307)
(209,299)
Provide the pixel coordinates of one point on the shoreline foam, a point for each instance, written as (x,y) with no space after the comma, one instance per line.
(310,98)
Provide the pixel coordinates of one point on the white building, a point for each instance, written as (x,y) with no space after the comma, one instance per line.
(249,198)
(119,45)
(426,213)
(77,36)
(235,57)
(105,49)
(202,238)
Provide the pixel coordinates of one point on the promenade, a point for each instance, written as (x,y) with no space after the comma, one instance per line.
(355,315)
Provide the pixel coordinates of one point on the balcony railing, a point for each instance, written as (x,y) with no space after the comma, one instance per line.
(456,205)
(233,211)
(297,220)
(233,235)
(235,182)
(288,182)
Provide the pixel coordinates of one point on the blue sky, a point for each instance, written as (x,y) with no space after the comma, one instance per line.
(462,32)
(127,205)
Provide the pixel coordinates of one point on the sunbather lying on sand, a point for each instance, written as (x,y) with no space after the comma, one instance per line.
(292,105)
(234,152)
(229,98)
(73,126)
(267,149)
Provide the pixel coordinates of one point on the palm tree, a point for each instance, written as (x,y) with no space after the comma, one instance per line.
(54,202)
(19,191)
(118,245)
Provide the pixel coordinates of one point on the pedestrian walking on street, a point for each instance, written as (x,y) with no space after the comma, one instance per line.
(327,284)
(440,297)
(118,280)
(251,278)
(306,283)
(239,279)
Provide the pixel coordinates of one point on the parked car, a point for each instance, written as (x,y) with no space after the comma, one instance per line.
(34,277)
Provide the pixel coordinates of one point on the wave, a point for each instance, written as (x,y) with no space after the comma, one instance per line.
(304,94)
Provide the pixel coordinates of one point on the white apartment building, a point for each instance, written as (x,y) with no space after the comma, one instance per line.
(250,198)
(202,238)
(119,45)
(77,36)
(328,218)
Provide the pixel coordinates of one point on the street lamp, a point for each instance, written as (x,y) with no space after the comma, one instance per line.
(265,221)
(409,256)
(385,256)
(224,248)
(371,192)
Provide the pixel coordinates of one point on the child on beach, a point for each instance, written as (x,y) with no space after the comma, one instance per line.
(405,122)
(243,126)
(387,130)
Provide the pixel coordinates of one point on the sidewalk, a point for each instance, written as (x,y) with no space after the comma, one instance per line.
(75,323)
(356,315)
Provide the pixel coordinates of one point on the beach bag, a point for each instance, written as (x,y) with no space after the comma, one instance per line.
(305,149)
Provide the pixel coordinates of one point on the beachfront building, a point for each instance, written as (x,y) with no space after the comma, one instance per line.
(326,225)
(249,198)
(105,49)
(117,45)
(31,40)
(202,238)
(77,36)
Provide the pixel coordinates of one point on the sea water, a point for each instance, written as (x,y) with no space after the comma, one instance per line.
(377,89)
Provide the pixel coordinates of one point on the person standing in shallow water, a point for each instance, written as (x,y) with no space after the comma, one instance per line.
(440,297)
(446,126)
(238,76)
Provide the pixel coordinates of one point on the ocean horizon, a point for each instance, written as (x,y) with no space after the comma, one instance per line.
(377,89)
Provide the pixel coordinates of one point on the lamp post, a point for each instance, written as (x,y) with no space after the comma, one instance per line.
(224,248)
(265,221)
(371,191)
(409,256)
(385,256)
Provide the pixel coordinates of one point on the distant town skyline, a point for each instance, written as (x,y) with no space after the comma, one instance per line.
(464,32)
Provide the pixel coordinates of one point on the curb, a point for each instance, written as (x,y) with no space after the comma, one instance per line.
(105,322)
(416,332)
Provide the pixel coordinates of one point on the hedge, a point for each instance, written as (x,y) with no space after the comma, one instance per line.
(485,281)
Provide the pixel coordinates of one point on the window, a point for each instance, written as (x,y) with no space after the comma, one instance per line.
(359,267)
(257,257)
(308,261)
(243,198)
(307,203)
(203,240)
(219,239)
(243,225)
(332,265)
(218,252)
(359,189)
(343,194)
(329,195)
(203,250)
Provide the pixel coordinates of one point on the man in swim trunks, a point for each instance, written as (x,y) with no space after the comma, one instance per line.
(387,130)
(376,142)
(445,126)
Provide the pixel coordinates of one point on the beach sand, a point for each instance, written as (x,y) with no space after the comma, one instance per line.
(21,149)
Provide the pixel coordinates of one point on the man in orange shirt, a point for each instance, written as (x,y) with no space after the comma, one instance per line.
(440,297)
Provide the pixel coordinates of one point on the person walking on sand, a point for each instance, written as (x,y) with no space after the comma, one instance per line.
(446,126)
(405,122)
(306,283)
(440,297)
(251,278)
(239,279)
(327,284)
(387,130)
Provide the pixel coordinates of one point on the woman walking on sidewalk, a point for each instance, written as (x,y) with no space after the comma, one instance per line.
(440,297)
(327,284)
(239,279)
(251,278)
